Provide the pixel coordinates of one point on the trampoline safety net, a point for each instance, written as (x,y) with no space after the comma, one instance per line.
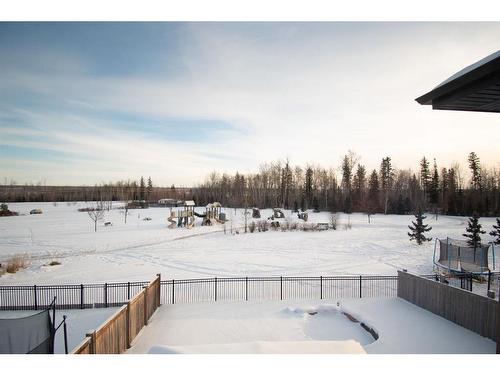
(459,256)
(28,335)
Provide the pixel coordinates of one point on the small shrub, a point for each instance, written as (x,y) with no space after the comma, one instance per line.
(54,263)
(251,227)
(294,226)
(15,263)
(4,211)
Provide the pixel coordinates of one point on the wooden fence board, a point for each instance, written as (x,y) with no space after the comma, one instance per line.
(115,335)
(471,311)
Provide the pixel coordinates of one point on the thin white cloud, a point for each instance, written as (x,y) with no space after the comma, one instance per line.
(308,92)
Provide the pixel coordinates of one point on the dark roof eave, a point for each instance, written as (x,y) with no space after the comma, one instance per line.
(452,85)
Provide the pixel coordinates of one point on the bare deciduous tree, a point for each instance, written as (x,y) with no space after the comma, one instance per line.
(97,213)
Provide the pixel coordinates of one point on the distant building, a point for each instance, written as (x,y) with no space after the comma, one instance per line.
(169,202)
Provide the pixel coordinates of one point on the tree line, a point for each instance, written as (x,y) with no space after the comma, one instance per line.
(142,189)
(349,187)
(387,190)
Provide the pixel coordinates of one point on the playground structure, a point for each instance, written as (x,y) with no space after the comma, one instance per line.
(303,216)
(182,218)
(213,214)
(458,257)
(255,213)
(277,214)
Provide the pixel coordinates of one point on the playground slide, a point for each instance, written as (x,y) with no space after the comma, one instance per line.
(172,222)
(199,215)
(190,224)
(219,221)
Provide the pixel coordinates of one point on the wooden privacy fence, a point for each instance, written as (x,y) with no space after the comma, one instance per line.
(472,311)
(116,334)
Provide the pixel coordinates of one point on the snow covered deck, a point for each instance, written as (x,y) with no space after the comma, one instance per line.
(304,327)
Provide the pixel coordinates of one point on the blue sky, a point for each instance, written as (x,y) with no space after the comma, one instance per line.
(82,103)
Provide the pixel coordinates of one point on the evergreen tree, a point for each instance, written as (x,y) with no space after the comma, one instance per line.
(419,228)
(434,186)
(346,175)
(308,188)
(386,178)
(496,232)
(359,188)
(474,231)
(425,174)
(475,168)
(149,189)
(373,193)
(142,189)
(434,190)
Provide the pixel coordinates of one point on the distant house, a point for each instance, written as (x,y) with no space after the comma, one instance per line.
(168,202)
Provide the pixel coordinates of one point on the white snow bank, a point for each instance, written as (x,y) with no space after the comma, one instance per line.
(404,328)
(264,347)
(304,326)
(138,249)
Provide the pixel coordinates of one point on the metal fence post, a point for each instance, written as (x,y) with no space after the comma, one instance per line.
(173,291)
(246,288)
(81,296)
(36,300)
(128,290)
(106,294)
(216,289)
(321,287)
(281,287)
(158,302)
(360,278)
(65,332)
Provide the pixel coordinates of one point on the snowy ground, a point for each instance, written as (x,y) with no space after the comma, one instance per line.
(78,323)
(304,327)
(140,249)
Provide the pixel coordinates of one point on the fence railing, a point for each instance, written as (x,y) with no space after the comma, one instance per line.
(277,288)
(116,334)
(83,296)
(72,296)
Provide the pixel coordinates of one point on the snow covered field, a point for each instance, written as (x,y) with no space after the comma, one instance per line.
(140,249)
(305,327)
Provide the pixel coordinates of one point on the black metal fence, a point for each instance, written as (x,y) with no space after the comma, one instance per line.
(75,296)
(83,296)
(278,288)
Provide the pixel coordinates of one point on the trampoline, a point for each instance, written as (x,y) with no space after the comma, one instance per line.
(458,257)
